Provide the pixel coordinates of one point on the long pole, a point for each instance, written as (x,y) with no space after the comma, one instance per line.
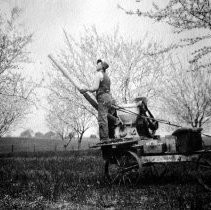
(63,72)
(86,95)
(66,75)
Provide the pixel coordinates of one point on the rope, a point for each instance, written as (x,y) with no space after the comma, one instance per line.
(146,117)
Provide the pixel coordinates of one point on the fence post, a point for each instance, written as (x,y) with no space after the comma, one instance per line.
(12,148)
(65,147)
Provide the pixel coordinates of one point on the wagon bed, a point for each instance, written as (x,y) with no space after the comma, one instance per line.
(125,161)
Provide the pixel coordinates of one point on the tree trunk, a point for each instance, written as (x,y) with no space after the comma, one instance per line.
(80,136)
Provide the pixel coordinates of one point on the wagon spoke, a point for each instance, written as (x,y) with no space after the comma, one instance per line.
(129,180)
(115,178)
(125,170)
(204,173)
(129,168)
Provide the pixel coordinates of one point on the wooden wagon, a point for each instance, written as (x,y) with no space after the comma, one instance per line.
(125,158)
(125,162)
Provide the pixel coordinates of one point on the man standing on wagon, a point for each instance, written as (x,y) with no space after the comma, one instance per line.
(101,86)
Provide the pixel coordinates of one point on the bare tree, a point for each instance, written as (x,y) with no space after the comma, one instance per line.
(57,124)
(28,133)
(134,65)
(81,122)
(186,16)
(66,117)
(186,95)
(39,135)
(70,137)
(11,112)
(60,126)
(15,91)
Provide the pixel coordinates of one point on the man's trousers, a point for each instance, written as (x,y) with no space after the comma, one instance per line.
(104,103)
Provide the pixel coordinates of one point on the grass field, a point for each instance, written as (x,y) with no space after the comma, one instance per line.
(75,180)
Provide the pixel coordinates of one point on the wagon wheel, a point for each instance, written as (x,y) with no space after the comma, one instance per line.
(204,172)
(124,169)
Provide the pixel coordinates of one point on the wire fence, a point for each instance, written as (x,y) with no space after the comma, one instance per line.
(13,145)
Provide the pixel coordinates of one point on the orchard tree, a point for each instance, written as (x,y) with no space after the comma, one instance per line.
(70,137)
(186,16)
(134,65)
(186,95)
(15,91)
(81,122)
(28,133)
(60,126)
(66,117)
(39,135)
(50,135)
(57,124)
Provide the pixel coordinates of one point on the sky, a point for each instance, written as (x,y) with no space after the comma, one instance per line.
(47,18)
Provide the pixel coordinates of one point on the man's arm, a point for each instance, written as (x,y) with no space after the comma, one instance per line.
(96,84)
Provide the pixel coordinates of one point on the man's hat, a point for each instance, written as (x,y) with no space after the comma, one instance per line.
(99,61)
(105,65)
